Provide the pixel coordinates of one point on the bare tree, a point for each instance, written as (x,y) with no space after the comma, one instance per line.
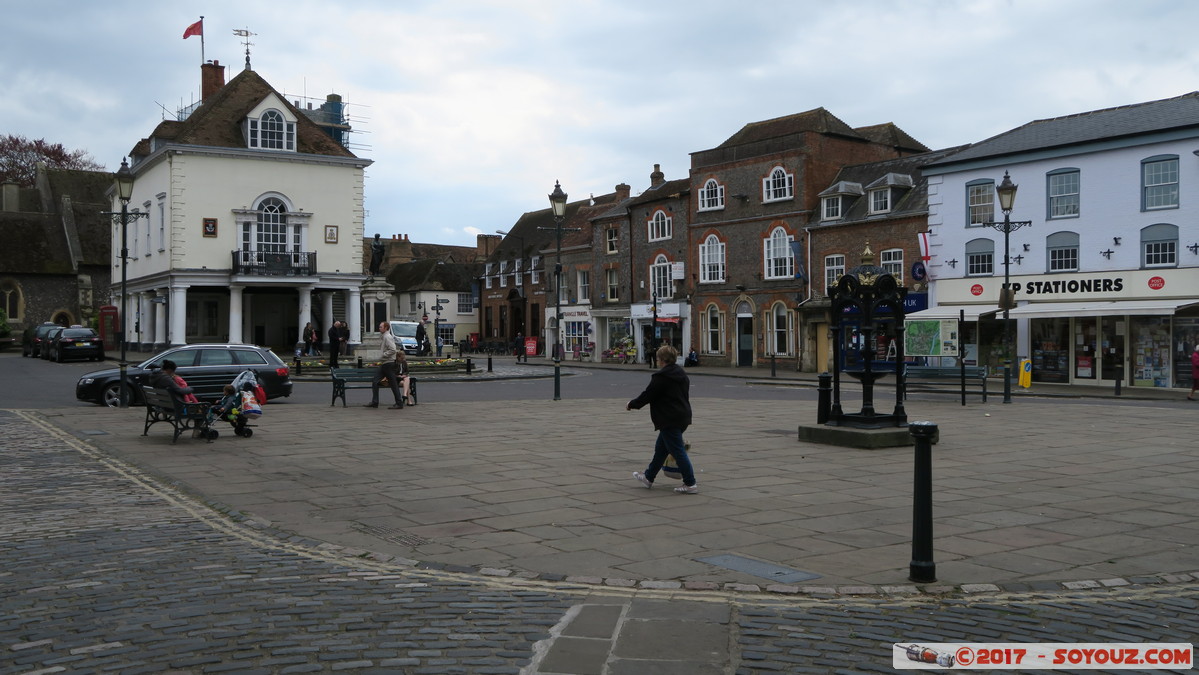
(19,157)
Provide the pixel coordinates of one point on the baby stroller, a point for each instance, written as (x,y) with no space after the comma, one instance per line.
(239,407)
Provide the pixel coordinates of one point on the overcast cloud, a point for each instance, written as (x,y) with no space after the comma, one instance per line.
(471,109)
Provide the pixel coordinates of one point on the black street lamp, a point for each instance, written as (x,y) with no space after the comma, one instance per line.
(558,204)
(1007,297)
(124,187)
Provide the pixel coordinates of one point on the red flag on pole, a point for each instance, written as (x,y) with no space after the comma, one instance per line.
(196,28)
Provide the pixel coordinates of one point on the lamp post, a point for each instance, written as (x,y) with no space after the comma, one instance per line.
(1007,298)
(652,357)
(558,204)
(124,186)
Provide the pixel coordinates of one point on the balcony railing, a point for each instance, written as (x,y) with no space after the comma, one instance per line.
(270,264)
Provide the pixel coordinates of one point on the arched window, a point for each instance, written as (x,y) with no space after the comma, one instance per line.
(711,196)
(779,260)
(659,226)
(980,257)
(781,329)
(1159,245)
(271,131)
(660,280)
(11,300)
(779,185)
(713,331)
(711,260)
(272,226)
(1062,252)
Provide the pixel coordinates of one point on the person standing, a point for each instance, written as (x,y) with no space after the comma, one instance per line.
(334,343)
(387,369)
(1194,373)
(668,396)
(308,334)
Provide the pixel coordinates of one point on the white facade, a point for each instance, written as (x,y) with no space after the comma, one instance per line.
(244,245)
(1105,272)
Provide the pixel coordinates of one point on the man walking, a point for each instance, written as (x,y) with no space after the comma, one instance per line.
(669,399)
(387,369)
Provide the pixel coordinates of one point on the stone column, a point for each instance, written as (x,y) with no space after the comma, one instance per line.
(160,320)
(327,314)
(236,320)
(354,316)
(305,312)
(178,315)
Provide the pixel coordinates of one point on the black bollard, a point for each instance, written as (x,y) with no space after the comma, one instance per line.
(469,366)
(922,569)
(359,361)
(489,363)
(773,373)
(299,367)
(824,397)
(1119,379)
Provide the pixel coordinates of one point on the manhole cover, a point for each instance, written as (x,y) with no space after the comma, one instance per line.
(391,534)
(764,570)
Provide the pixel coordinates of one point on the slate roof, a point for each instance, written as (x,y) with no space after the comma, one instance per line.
(434,275)
(907,202)
(528,228)
(669,189)
(218,121)
(889,134)
(1057,132)
(817,120)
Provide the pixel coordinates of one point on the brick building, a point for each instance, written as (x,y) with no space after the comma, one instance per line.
(752,197)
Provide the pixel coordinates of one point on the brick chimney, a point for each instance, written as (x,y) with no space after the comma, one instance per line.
(623,191)
(212,78)
(657,177)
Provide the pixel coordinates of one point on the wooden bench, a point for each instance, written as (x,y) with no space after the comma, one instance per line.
(161,406)
(360,378)
(935,378)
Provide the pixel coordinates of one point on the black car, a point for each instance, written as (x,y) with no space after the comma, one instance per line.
(47,346)
(34,337)
(205,368)
(77,342)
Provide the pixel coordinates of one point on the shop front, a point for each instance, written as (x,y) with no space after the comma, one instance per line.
(1135,327)
(670,327)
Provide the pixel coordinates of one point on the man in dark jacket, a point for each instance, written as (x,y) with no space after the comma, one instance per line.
(335,343)
(668,396)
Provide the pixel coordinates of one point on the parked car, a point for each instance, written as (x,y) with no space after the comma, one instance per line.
(77,342)
(207,368)
(33,338)
(47,347)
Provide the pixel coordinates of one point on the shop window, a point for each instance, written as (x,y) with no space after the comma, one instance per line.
(1062,249)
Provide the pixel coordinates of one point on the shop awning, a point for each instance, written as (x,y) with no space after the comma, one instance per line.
(952,312)
(1046,310)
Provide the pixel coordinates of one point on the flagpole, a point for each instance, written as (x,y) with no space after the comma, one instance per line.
(202,61)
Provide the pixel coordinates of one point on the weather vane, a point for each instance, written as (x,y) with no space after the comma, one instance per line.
(245,33)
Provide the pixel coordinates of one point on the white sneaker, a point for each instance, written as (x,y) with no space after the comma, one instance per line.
(644,481)
(687,489)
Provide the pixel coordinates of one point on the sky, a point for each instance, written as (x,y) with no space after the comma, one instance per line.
(472,109)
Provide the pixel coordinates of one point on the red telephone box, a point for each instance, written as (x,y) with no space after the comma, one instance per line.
(110,326)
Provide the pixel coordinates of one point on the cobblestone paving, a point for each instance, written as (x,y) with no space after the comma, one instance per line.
(103,569)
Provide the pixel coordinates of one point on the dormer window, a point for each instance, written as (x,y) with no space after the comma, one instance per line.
(830,208)
(271,131)
(880,200)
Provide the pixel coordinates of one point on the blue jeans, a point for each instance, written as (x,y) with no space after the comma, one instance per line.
(670,442)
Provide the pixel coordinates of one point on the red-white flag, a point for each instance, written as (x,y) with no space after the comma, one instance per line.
(196,28)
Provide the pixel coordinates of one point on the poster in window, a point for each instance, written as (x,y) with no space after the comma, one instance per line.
(210,227)
(330,234)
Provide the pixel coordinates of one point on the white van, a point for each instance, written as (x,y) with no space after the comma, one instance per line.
(405,335)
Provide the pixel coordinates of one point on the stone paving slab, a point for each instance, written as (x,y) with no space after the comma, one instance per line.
(1018,496)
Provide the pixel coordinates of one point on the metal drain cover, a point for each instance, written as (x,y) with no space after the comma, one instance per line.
(391,534)
(764,570)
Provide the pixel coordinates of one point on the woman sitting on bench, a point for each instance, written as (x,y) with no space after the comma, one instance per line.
(167,380)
